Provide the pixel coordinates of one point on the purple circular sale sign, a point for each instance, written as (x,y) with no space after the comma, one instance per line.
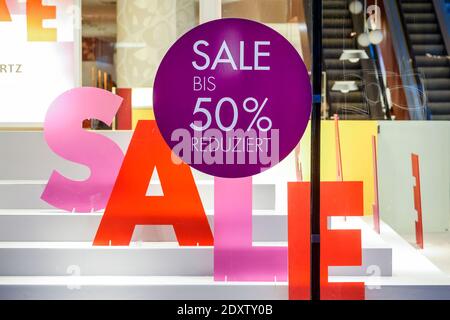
(232,98)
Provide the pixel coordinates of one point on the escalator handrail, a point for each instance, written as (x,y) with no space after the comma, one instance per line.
(441,8)
(381,82)
(404,59)
(412,58)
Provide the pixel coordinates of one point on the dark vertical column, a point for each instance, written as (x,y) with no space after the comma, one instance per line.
(315,148)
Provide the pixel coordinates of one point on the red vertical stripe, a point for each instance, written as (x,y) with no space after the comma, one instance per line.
(123,119)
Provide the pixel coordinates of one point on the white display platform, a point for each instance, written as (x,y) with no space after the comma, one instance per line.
(414,277)
(163,288)
(46,254)
(436,248)
(31,244)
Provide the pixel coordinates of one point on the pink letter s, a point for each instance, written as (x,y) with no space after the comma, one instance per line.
(65,136)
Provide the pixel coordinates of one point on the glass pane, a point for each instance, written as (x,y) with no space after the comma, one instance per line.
(383,62)
(78,175)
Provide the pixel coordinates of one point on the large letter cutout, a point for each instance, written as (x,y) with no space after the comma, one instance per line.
(235,258)
(338,247)
(66,137)
(4,11)
(129,206)
(36,13)
(299,237)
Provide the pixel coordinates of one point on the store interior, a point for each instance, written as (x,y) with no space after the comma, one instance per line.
(385,122)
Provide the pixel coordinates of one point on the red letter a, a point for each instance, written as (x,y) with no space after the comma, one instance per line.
(129,206)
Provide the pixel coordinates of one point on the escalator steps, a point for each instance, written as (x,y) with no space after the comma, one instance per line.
(337,36)
(334,4)
(430,54)
(437,84)
(422,28)
(433,49)
(441,108)
(424,61)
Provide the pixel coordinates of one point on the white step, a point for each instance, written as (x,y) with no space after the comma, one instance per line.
(140,258)
(138,288)
(67,238)
(26,194)
(199,288)
(53,225)
(404,286)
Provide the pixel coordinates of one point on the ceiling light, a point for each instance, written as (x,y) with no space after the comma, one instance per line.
(345,86)
(355,7)
(353,55)
(376,37)
(364,40)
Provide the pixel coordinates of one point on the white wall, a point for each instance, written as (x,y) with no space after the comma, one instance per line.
(431,141)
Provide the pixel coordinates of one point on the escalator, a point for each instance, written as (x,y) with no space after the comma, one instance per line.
(349,83)
(429,55)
